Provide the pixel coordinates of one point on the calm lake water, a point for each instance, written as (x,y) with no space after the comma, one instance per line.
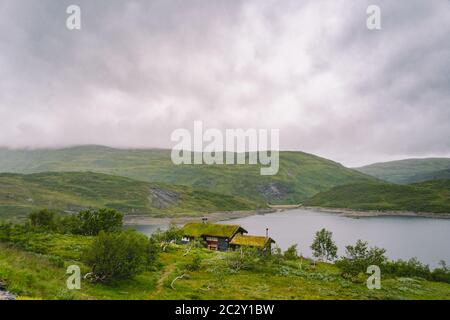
(403,237)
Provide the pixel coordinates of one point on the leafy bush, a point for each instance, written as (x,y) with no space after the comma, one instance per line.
(5,232)
(88,222)
(291,252)
(442,273)
(119,255)
(92,222)
(56,261)
(44,218)
(359,257)
(194,265)
(414,268)
(276,257)
(172,234)
(410,268)
(242,259)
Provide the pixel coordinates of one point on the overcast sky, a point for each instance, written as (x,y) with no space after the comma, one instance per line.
(137,70)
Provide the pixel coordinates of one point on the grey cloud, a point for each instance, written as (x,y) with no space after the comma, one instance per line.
(139,69)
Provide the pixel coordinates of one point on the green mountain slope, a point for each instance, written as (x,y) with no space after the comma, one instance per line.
(429,196)
(74,191)
(435,175)
(300,176)
(409,170)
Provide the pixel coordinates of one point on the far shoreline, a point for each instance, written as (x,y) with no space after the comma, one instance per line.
(182,219)
(355,213)
(231,215)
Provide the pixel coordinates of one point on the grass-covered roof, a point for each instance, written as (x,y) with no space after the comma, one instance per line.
(195,229)
(251,241)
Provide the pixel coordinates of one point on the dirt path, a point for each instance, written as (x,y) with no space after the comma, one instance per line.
(159,285)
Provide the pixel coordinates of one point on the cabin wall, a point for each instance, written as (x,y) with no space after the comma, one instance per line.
(220,244)
(223,244)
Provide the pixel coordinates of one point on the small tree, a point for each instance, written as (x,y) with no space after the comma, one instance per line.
(361,251)
(69,224)
(164,238)
(118,255)
(323,246)
(291,252)
(43,219)
(359,257)
(91,222)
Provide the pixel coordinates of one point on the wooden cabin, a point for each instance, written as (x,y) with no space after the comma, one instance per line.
(216,236)
(264,244)
(222,237)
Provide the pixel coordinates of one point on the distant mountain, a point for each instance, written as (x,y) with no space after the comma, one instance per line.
(75,191)
(435,175)
(301,175)
(409,170)
(429,196)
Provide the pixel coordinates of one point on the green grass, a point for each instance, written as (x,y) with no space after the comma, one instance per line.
(429,196)
(194,229)
(409,170)
(74,191)
(36,276)
(301,175)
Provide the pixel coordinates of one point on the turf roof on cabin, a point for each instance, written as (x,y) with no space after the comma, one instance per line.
(251,241)
(195,229)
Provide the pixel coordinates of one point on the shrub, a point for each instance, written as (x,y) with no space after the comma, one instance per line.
(5,232)
(276,257)
(242,258)
(91,222)
(44,218)
(119,255)
(194,265)
(291,253)
(172,234)
(88,222)
(442,273)
(410,268)
(414,268)
(69,224)
(359,257)
(56,261)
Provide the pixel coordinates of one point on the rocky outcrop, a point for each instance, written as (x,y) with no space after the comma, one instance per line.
(5,295)
(161,198)
(274,191)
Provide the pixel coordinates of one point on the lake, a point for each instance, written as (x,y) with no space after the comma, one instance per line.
(403,237)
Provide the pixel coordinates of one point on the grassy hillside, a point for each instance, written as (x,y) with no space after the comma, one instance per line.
(435,175)
(429,196)
(40,273)
(300,176)
(73,191)
(409,170)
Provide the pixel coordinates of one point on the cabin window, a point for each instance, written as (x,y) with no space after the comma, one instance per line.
(213,247)
(212,239)
(186,239)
